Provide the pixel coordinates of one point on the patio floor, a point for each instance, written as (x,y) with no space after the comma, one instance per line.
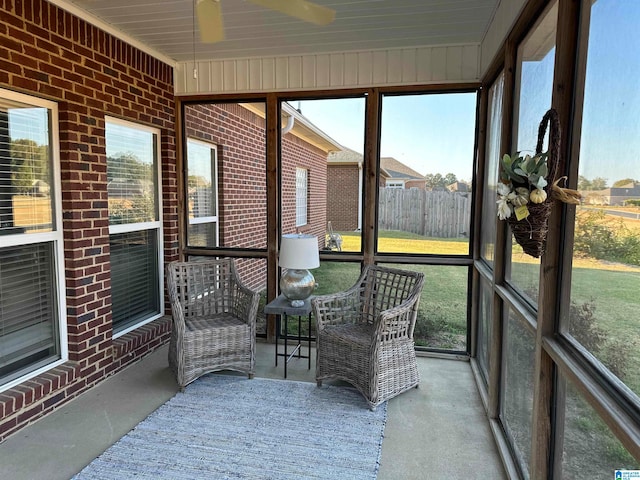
(434,432)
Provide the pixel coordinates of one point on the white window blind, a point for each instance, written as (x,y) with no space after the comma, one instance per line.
(135,229)
(31,323)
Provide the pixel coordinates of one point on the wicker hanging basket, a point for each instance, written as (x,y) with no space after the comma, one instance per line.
(531,232)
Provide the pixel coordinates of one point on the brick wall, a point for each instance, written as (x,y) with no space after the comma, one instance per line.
(342,191)
(298,154)
(239,135)
(47,52)
(415,184)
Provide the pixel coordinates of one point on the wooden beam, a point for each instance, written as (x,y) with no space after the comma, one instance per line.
(180,176)
(541,461)
(476,220)
(502,237)
(371,158)
(623,425)
(273,203)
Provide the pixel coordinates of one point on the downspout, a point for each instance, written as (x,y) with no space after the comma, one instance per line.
(289,125)
(359,196)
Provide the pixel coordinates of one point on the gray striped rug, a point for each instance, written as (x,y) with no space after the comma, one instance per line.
(230,427)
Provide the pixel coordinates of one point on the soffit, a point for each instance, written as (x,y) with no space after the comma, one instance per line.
(166,27)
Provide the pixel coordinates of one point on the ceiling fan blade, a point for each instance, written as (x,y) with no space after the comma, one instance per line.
(302,9)
(209,16)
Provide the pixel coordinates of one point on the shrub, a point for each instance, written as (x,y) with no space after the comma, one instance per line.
(602,238)
(583,327)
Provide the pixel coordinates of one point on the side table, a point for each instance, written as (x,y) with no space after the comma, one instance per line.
(282,309)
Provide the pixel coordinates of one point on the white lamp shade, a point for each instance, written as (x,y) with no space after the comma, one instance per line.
(299,251)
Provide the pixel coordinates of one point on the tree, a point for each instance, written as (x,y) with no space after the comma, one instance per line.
(434,180)
(450,178)
(623,182)
(127,166)
(599,183)
(29,163)
(584,183)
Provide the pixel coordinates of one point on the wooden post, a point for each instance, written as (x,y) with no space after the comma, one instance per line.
(549,286)
(371,154)
(273,203)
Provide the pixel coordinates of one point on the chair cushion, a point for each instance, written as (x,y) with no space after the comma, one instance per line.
(194,324)
(359,334)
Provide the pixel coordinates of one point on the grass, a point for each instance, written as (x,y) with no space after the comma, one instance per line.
(612,287)
(442,314)
(393,241)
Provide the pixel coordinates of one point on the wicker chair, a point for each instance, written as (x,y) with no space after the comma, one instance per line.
(214,320)
(365,334)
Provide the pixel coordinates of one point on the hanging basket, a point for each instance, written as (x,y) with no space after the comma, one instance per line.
(531,232)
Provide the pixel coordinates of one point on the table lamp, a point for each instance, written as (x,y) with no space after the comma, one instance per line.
(298,253)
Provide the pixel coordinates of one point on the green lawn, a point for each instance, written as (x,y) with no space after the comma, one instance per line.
(393,241)
(613,290)
(442,314)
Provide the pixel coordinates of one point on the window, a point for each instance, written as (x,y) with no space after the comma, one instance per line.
(603,313)
(135,229)
(202,194)
(536,56)
(428,138)
(31,252)
(492,156)
(302,184)
(516,404)
(396,184)
(327,139)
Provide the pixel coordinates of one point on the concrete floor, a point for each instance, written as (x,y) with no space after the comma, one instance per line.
(437,431)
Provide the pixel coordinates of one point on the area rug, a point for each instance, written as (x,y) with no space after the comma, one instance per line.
(230,427)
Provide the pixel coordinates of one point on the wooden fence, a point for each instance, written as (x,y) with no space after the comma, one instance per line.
(441,214)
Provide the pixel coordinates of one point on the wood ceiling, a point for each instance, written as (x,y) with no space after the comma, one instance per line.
(167,26)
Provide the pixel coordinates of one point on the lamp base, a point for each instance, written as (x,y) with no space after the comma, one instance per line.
(297,285)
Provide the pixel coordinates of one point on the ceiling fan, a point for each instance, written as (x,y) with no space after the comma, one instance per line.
(209,15)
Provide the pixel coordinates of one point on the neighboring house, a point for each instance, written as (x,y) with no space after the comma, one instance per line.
(612,196)
(344,185)
(459,187)
(399,175)
(344,190)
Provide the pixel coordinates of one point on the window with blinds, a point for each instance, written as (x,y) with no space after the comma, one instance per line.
(134,276)
(202,194)
(30,242)
(135,229)
(301,196)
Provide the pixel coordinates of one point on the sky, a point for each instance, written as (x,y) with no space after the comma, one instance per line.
(434,133)
(610,141)
(429,133)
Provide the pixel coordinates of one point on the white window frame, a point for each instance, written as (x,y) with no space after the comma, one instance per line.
(55,236)
(155,225)
(302,191)
(394,184)
(214,186)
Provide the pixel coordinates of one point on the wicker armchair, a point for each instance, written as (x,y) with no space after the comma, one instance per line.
(365,334)
(214,320)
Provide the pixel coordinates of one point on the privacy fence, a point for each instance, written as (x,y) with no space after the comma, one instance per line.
(440,214)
